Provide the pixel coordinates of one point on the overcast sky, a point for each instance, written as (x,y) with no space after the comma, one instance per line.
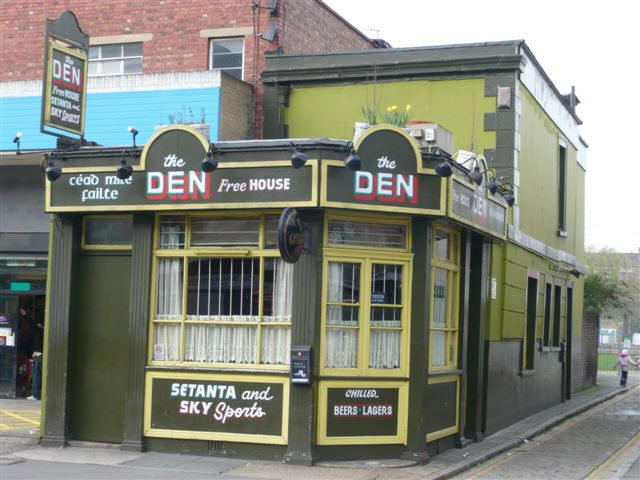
(592,45)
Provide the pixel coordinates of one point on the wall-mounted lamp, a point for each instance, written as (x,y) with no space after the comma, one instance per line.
(210,162)
(298,158)
(576,273)
(52,171)
(506,190)
(492,185)
(125,170)
(352,160)
(444,168)
(133,132)
(16,140)
(475,175)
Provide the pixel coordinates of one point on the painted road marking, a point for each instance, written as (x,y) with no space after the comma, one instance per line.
(613,457)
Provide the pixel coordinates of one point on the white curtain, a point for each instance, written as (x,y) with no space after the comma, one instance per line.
(276,341)
(221,343)
(384,348)
(341,349)
(438,348)
(440,298)
(169,306)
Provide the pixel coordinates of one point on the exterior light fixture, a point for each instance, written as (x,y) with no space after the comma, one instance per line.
(506,190)
(444,169)
(352,161)
(16,140)
(125,170)
(298,158)
(475,175)
(133,132)
(492,185)
(209,163)
(509,198)
(52,171)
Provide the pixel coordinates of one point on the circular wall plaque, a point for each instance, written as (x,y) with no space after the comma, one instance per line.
(290,235)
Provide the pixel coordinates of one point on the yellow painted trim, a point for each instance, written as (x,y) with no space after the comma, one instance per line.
(453,429)
(55,44)
(47,323)
(452,325)
(377,208)
(312,202)
(384,219)
(466,221)
(403,394)
(366,258)
(233,437)
(85,246)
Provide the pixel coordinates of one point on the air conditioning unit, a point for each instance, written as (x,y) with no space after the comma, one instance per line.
(430,134)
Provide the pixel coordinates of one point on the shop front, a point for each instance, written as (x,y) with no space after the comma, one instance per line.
(262,310)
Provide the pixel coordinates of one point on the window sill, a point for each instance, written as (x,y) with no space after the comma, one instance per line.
(526,373)
(549,349)
(445,372)
(563,234)
(184,368)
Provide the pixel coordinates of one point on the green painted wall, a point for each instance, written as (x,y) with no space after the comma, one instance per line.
(538,200)
(330,111)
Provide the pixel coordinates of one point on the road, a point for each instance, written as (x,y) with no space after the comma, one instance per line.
(601,443)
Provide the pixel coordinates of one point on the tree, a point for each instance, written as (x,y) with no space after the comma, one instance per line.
(600,292)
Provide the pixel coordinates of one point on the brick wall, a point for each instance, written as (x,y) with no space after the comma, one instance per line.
(590,331)
(236,109)
(176,45)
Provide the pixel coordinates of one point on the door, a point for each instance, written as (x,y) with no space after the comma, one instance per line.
(8,338)
(569,339)
(98,348)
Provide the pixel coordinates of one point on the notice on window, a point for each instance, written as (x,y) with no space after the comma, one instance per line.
(217,406)
(65,88)
(362,412)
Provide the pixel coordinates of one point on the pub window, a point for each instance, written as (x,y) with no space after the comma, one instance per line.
(226,54)
(366,234)
(530,332)
(557,321)
(107,232)
(222,293)
(443,331)
(548,302)
(365,301)
(115,59)
(562,189)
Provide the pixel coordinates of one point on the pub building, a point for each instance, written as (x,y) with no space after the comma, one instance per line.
(282,299)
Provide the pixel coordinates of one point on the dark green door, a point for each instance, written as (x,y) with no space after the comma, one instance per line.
(98,348)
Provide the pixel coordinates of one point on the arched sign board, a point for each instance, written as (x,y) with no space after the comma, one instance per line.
(290,235)
(392,177)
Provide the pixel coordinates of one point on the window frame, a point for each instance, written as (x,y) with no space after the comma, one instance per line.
(562,189)
(105,246)
(547,318)
(242,64)
(366,257)
(121,59)
(530,331)
(452,328)
(187,253)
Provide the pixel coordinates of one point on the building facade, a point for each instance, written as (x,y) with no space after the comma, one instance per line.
(150,64)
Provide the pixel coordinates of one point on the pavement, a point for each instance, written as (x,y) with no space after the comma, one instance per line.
(20,457)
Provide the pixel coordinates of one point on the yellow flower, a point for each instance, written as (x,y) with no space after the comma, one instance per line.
(389,109)
(394,108)
(408,107)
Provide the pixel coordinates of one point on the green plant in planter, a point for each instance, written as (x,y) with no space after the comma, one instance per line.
(187,117)
(370,113)
(396,116)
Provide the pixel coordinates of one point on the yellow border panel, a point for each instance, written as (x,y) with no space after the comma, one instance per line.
(368,218)
(232,437)
(449,430)
(401,437)
(85,246)
(312,202)
(54,44)
(378,208)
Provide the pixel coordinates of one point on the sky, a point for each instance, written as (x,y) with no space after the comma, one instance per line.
(591,45)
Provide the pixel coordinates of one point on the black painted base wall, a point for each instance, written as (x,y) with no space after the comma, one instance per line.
(511,396)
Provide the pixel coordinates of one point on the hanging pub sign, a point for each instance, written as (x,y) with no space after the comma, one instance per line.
(169,176)
(391,177)
(65,76)
(472,206)
(290,235)
(220,407)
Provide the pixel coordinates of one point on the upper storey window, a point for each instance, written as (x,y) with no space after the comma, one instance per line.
(115,59)
(226,54)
